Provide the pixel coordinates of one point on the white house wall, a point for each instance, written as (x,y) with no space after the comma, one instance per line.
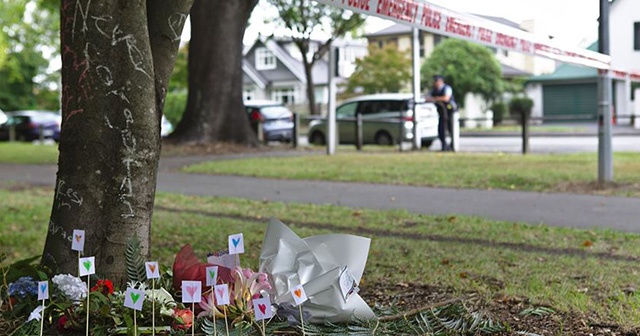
(623,14)
(534,92)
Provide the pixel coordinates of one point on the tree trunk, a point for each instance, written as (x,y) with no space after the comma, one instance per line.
(116,60)
(311,95)
(215,111)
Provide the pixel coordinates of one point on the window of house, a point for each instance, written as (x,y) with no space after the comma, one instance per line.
(422,44)
(285,96)
(437,39)
(636,36)
(380,44)
(265,59)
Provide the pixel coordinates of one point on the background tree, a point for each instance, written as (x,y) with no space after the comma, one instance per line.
(27,41)
(178,89)
(304,18)
(215,111)
(467,67)
(382,70)
(116,61)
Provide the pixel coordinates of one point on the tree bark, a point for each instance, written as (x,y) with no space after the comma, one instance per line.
(116,59)
(311,95)
(215,111)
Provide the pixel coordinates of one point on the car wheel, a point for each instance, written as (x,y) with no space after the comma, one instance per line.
(317,139)
(427,143)
(384,139)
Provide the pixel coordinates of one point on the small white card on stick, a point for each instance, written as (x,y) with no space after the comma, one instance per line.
(191,291)
(212,275)
(222,294)
(43,290)
(299,296)
(236,244)
(262,308)
(77,241)
(87,266)
(153,271)
(134,298)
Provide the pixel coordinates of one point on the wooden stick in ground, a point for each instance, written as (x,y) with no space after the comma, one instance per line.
(301,320)
(213,312)
(42,319)
(264,329)
(421,309)
(193,325)
(135,323)
(226,323)
(153,306)
(87,307)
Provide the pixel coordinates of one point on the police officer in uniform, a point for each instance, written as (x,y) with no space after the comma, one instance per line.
(442,95)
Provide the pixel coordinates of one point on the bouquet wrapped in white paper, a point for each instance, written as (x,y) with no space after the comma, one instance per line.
(329,267)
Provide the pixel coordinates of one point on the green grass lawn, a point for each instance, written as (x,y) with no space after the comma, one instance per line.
(570,270)
(536,172)
(28,153)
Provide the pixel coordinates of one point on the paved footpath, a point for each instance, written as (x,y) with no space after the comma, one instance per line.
(580,211)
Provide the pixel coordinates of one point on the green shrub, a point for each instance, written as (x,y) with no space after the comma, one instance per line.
(520,105)
(499,112)
(174,105)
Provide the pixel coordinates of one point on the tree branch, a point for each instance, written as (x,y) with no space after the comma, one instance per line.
(165,20)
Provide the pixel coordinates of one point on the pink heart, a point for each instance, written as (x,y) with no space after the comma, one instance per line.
(263,308)
(191,290)
(220,292)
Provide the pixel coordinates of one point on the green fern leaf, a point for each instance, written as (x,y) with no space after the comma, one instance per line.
(135,261)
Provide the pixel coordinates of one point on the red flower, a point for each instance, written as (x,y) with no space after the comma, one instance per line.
(103,286)
(183,319)
(62,322)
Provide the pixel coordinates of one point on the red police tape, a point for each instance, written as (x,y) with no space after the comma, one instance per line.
(439,20)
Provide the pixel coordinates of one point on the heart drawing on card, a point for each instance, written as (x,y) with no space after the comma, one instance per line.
(87,265)
(152,268)
(297,292)
(191,290)
(220,292)
(235,242)
(78,237)
(263,308)
(43,288)
(135,297)
(212,274)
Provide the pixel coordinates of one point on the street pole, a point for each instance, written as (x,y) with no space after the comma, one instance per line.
(415,52)
(605,154)
(331,106)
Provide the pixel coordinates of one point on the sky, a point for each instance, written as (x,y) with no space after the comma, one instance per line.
(573,22)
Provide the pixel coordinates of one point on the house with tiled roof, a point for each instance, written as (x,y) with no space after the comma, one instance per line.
(273,69)
(573,90)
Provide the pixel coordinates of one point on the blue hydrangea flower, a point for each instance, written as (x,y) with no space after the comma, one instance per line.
(23,286)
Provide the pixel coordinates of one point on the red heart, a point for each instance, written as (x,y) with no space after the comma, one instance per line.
(78,237)
(152,268)
(220,292)
(297,292)
(191,290)
(263,308)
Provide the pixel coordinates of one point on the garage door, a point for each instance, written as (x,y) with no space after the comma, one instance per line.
(568,99)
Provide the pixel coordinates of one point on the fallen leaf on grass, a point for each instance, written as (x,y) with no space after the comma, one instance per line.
(587,243)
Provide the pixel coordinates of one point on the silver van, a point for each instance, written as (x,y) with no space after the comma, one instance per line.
(386,118)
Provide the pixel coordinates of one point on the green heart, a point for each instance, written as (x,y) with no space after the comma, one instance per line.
(135,297)
(212,274)
(87,265)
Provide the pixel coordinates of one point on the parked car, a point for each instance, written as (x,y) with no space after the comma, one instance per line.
(384,117)
(275,118)
(3,117)
(28,125)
